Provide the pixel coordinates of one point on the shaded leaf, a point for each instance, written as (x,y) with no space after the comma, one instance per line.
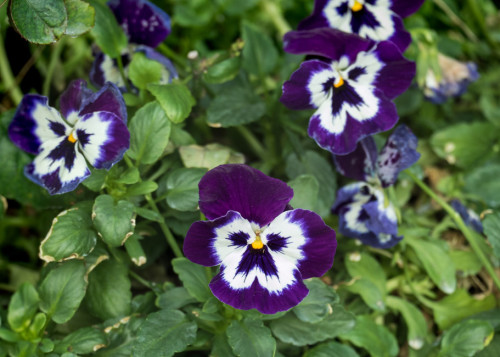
(113,219)
(250,338)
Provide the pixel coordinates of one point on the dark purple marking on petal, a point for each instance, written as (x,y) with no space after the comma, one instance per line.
(96,74)
(319,42)
(83,137)
(469,217)
(355,72)
(143,22)
(344,94)
(257,258)
(397,73)
(72,98)
(359,164)
(66,151)
(405,8)
(239,239)
(257,297)
(345,195)
(343,8)
(22,128)
(58,128)
(256,196)
(200,239)
(363,18)
(276,243)
(296,95)
(398,154)
(107,99)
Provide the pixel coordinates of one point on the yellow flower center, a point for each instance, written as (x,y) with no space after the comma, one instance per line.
(340,83)
(357,6)
(71,138)
(257,243)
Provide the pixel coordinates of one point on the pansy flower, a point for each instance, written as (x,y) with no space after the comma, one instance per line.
(376,20)
(469,217)
(91,127)
(455,78)
(364,211)
(264,247)
(146,26)
(351,83)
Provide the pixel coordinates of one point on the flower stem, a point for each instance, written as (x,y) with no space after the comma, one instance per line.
(181,61)
(255,145)
(9,81)
(141,280)
(54,58)
(468,234)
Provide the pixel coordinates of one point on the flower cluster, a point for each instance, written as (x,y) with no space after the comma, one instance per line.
(92,128)
(146,26)
(264,247)
(364,211)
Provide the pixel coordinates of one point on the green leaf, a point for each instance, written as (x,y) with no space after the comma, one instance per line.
(220,347)
(318,303)
(436,261)
(22,307)
(129,176)
(369,292)
(148,214)
(113,220)
(305,192)
(235,106)
(376,339)
(163,334)
(70,236)
(466,261)
(194,278)
(208,156)
(483,182)
(83,341)
(39,21)
(135,251)
(175,99)
(491,225)
(331,349)
(315,165)
(363,265)
(250,338)
(223,71)
(290,329)
(466,338)
(465,145)
(414,319)
(149,133)
(142,188)
(62,291)
(108,35)
(81,17)
(109,292)
(182,188)
(143,71)
(458,306)
(492,349)
(259,54)
(490,108)
(174,298)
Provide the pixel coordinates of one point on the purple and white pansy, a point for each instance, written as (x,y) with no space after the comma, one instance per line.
(376,20)
(264,247)
(91,127)
(351,83)
(146,26)
(364,211)
(469,217)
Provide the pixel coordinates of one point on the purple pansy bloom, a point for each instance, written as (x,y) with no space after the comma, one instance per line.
(469,217)
(364,211)
(146,26)
(352,85)
(92,129)
(376,20)
(455,78)
(265,248)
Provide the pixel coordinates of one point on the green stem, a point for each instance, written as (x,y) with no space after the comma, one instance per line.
(9,81)
(457,20)
(54,58)
(471,238)
(141,280)
(274,14)
(479,16)
(181,61)
(254,143)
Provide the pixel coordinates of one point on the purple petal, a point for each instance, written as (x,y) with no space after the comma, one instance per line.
(105,69)
(107,99)
(209,242)
(256,196)
(359,164)
(36,122)
(469,217)
(317,19)
(59,167)
(103,138)
(301,237)
(397,73)
(401,38)
(363,215)
(257,297)
(306,87)
(319,42)
(398,154)
(143,22)
(169,72)
(72,98)
(405,8)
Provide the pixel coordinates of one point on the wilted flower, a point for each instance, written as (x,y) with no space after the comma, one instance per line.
(146,26)
(92,128)
(364,212)
(352,84)
(455,78)
(376,20)
(264,247)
